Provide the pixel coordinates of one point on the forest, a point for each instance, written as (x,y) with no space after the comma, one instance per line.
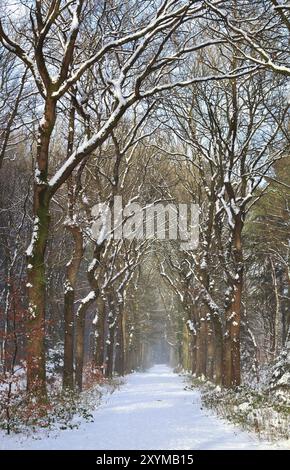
(144,208)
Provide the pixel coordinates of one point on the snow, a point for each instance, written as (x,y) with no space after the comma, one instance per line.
(265,59)
(37,175)
(191,326)
(43,122)
(34,237)
(153,410)
(87,146)
(68,287)
(117,90)
(75,22)
(91,296)
(92,265)
(32,311)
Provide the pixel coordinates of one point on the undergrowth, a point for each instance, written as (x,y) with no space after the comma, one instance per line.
(265,411)
(63,409)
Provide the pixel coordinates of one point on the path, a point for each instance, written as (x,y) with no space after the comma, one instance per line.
(151,411)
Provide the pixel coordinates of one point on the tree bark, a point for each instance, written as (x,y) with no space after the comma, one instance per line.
(232,356)
(110,338)
(81,315)
(210,350)
(36,373)
(120,358)
(100,330)
(218,353)
(69,300)
(201,349)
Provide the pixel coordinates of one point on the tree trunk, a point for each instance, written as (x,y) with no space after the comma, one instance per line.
(69,300)
(125,342)
(120,359)
(193,354)
(110,340)
(185,347)
(218,353)
(72,267)
(232,356)
(81,315)
(100,330)
(210,350)
(80,337)
(231,350)
(201,349)
(227,352)
(110,352)
(235,336)
(36,373)
(79,356)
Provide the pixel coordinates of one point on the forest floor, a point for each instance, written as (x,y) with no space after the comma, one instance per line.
(152,410)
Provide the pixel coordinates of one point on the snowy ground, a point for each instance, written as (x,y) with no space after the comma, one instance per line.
(151,411)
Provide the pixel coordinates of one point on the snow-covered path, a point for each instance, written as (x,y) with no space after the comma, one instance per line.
(151,411)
